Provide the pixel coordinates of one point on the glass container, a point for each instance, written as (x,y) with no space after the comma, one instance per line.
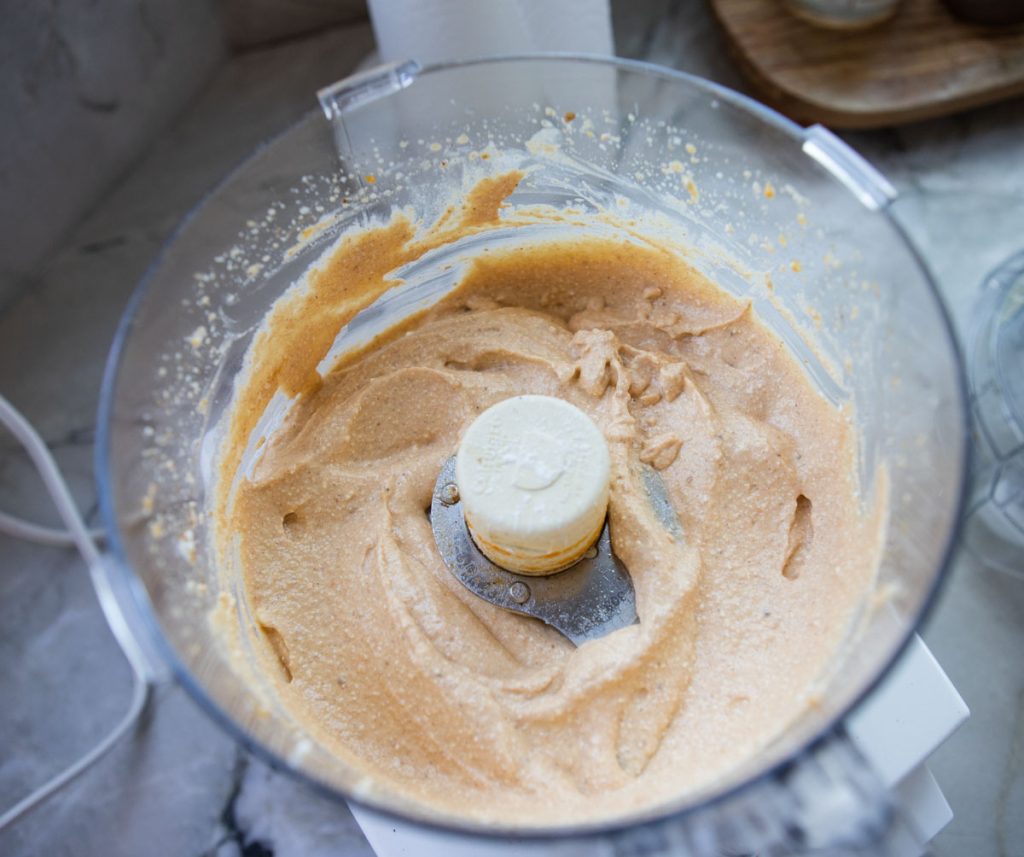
(994,530)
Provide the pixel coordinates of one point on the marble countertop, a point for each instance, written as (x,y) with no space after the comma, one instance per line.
(179,785)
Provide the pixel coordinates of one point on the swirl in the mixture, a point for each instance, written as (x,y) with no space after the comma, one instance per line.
(391,663)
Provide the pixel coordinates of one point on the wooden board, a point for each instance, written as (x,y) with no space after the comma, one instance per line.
(923,62)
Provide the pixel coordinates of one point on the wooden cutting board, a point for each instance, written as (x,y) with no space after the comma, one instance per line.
(923,62)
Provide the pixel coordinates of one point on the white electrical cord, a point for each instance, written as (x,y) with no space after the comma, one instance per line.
(49,536)
(82,538)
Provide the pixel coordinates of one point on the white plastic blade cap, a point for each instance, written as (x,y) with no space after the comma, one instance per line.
(533,474)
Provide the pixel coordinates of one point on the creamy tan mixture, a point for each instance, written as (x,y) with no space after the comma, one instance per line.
(445,699)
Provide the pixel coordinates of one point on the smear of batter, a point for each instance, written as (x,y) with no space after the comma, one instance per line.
(445,699)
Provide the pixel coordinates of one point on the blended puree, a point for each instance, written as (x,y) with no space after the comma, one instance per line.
(437,696)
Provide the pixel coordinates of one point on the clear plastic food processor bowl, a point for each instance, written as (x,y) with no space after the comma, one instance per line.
(788,217)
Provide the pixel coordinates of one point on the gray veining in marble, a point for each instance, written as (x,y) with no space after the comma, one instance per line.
(179,786)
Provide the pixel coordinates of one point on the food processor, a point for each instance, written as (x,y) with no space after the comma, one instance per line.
(788,218)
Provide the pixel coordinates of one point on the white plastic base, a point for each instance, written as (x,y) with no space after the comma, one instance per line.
(897,729)
(906,720)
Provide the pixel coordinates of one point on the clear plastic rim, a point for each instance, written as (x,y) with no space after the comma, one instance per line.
(684,808)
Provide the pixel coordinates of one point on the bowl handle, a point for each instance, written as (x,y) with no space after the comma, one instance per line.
(858,176)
